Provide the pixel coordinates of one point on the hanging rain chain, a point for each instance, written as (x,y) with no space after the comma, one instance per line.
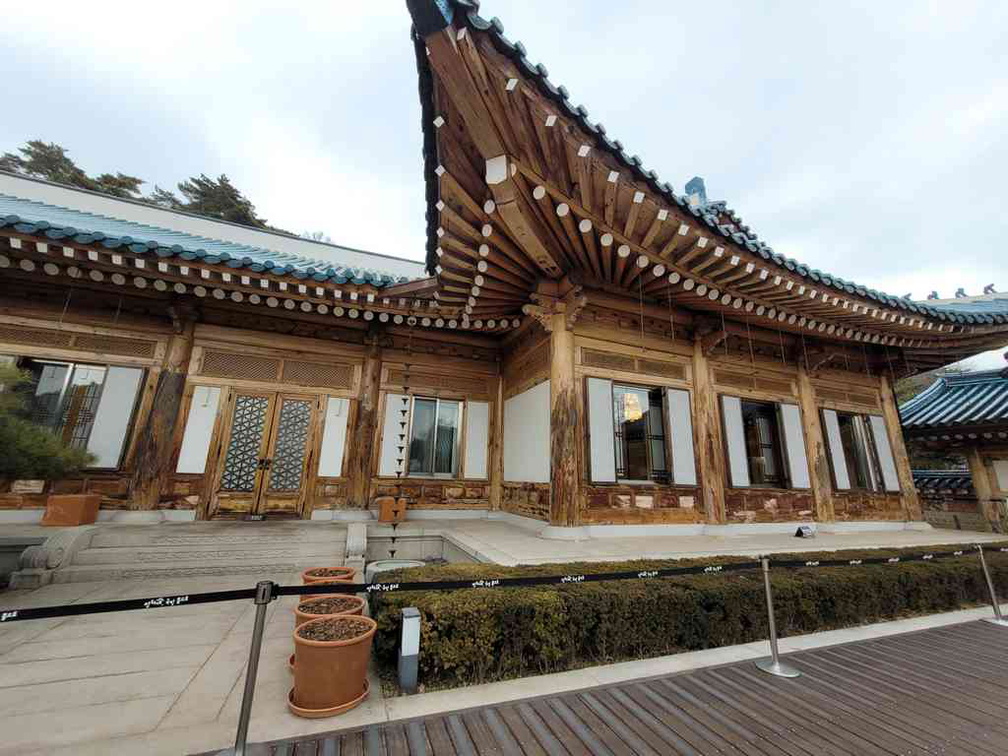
(640,280)
(671,317)
(66,306)
(752,355)
(724,330)
(403,430)
(780,335)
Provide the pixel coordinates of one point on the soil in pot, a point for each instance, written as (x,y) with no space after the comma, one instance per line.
(330,671)
(317,574)
(337,604)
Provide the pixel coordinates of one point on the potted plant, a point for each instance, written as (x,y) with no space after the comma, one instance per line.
(31,451)
(331,656)
(313,607)
(328,574)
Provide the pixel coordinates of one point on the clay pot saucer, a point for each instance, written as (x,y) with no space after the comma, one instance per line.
(320,713)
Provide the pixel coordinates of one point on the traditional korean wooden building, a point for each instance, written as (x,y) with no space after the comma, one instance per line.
(584,345)
(966,414)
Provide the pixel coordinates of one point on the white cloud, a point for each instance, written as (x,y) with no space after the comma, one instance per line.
(863,138)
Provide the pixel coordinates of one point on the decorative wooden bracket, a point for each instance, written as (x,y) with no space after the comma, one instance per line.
(708,333)
(710,341)
(553,298)
(816,360)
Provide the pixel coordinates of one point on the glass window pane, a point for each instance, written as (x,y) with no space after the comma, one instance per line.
(80,404)
(445,457)
(853,438)
(631,415)
(45,401)
(421,451)
(762,439)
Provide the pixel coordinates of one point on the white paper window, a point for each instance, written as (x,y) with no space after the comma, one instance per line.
(395,432)
(794,443)
(198,430)
(886,460)
(334,437)
(477,440)
(833,441)
(112,418)
(600,431)
(1001,473)
(681,423)
(738,462)
(527,436)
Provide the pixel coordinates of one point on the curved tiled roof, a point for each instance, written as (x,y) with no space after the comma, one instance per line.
(31,217)
(979,398)
(429,14)
(937,482)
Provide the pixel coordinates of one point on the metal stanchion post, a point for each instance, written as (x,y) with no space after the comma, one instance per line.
(997,619)
(264,594)
(773,665)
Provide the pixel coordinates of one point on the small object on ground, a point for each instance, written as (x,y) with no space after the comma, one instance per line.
(71,509)
(805,531)
(391,509)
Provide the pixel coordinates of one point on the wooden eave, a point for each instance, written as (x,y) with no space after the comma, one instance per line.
(548,201)
(122,267)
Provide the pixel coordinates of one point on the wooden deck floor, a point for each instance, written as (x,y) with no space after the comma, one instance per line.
(940,691)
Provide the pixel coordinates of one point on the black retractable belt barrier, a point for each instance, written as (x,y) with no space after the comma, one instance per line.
(124,605)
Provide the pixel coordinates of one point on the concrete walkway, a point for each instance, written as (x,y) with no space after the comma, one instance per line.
(169,681)
(503,542)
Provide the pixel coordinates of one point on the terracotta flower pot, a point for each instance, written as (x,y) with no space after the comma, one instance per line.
(352,588)
(319,574)
(305,612)
(71,509)
(330,676)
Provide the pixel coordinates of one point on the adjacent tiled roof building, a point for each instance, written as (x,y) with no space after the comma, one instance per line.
(970,400)
(165,238)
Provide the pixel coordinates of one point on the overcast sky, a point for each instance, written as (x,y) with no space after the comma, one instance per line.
(867,139)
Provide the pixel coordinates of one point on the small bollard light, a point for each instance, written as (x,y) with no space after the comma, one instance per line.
(409,649)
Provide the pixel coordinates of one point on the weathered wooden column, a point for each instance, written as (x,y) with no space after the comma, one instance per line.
(982,485)
(497,449)
(707,438)
(815,448)
(895,428)
(152,461)
(365,430)
(565,447)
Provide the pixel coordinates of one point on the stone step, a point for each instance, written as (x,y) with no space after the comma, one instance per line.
(103,572)
(213,553)
(180,535)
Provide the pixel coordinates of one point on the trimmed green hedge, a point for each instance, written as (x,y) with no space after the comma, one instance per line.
(473,636)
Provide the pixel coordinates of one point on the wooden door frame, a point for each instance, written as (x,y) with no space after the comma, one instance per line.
(310,450)
(227,421)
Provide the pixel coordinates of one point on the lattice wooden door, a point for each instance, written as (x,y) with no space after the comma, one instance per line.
(268,445)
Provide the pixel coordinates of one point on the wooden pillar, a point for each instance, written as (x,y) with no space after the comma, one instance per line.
(497,449)
(707,438)
(152,461)
(365,430)
(980,473)
(565,446)
(815,448)
(902,459)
